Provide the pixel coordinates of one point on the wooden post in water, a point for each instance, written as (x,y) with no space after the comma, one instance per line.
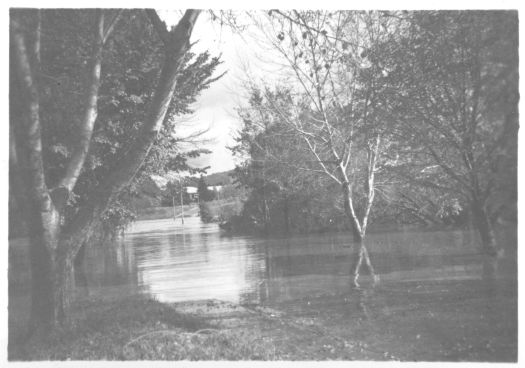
(181,203)
(174,213)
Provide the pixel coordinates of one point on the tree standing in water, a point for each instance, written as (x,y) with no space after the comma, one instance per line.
(333,106)
(456,106)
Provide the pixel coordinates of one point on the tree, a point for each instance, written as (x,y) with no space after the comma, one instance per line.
(172,194)
(205,195)
(133,58)
(333,108)
(456,103)
(285,195)
(54,239)
(205,212)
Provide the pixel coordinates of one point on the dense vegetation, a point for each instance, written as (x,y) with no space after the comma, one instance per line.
(439,89)
(95,101)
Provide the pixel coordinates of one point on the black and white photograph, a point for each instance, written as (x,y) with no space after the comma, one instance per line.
(308,183)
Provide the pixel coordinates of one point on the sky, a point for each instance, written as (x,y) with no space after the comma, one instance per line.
(215,109)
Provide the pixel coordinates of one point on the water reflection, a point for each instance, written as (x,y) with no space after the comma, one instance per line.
(198,261)
(195,263)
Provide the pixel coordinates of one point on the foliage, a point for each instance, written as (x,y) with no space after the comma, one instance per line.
(228,208)
(205,212)
(171,194)
(454,101)
(205,195)
(285,194)
(131,63)
(438,88)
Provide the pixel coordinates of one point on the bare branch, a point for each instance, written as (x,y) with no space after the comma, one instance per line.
(111,25)
(320,161)
(447,169)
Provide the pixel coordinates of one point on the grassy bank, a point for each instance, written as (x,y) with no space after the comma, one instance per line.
(431,321)
(220,209)
(138,328)
(160,213)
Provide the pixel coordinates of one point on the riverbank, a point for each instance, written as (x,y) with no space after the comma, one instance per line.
(220,209)
(430,321)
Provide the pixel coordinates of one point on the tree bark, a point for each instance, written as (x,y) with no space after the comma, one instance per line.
(79,264)
(42,269)
(79,155)
(488,240)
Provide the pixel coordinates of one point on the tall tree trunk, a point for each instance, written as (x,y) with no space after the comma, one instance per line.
(488,239)
(79,265)
(63,286)
(42,279)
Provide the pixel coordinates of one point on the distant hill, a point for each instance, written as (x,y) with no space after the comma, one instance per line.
(220,178)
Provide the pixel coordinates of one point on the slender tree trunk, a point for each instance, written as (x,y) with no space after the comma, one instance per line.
(359,239)
(286,213)
(363,257)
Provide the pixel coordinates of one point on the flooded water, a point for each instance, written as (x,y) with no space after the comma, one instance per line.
(431,303)
(199,261)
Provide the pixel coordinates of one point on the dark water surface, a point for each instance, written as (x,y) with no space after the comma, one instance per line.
(198,261)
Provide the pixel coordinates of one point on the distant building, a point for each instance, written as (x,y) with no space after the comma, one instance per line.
(192,193)
(215,188)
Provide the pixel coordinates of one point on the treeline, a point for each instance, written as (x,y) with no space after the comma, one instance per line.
(383,118)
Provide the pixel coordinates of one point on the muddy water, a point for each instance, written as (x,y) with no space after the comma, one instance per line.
(198,261)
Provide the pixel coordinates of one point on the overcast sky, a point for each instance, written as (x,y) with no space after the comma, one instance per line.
(215,109)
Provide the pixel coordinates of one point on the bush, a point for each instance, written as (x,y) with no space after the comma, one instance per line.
(205,212)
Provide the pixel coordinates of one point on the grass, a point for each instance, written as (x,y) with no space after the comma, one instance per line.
(222,209)
(160,213)
(138,328)
(416,321)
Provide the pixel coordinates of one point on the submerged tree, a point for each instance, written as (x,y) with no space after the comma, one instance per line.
(332,106)
(44,190)
(456,105)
